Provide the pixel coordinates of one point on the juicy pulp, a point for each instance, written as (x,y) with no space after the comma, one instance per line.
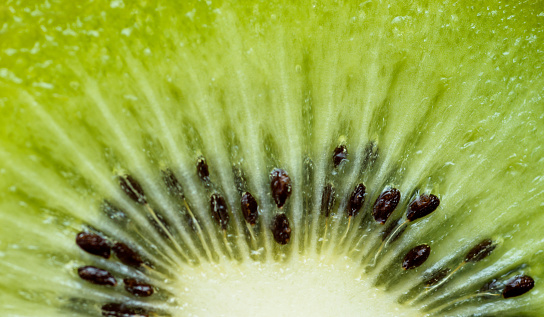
(450,95)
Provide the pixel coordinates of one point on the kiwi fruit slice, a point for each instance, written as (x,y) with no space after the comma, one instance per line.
(271,158)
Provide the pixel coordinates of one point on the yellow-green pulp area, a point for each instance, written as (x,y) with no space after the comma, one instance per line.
(308,286)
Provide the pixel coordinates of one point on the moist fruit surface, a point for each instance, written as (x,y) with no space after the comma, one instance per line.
(271,158)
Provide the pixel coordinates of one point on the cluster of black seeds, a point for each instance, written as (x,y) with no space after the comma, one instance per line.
(97,245)
(218,204)
(420,207)
(477,253)
(281,187)
(505,286)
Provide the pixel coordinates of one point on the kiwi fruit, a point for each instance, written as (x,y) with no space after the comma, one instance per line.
(271,158)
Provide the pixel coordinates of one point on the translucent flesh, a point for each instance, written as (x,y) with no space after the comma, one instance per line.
(450,95)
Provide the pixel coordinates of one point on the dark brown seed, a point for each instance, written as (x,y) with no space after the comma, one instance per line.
(126,255)
(416,257)
(356,200)
(340,155)
(517,286)
(422,206)
(133,189)
(96,276)
(172,184)
(280,229)
(202,169)
(249,208)
(123,310)
(93,244)
(138,288)
(480,251)
(437,276)
(327,200)
(385,205)
(219,209)
(280,185)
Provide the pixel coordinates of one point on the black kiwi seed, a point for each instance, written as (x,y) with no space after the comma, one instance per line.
(123,310)
(480,251)
(93,244)
(219,210)
(202,168)
(138,288)
(280,229)
(437,276)
(96,276)
(517,286)
(356,200)
(126,255)
(416,257)
(385,205)
(249,208)
(340,155)
(422,206)
(327,200)
(133,189)
(280,186)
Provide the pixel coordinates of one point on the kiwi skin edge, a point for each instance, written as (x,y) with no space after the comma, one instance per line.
(130,132)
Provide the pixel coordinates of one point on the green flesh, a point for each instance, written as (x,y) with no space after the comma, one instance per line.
(449,96)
